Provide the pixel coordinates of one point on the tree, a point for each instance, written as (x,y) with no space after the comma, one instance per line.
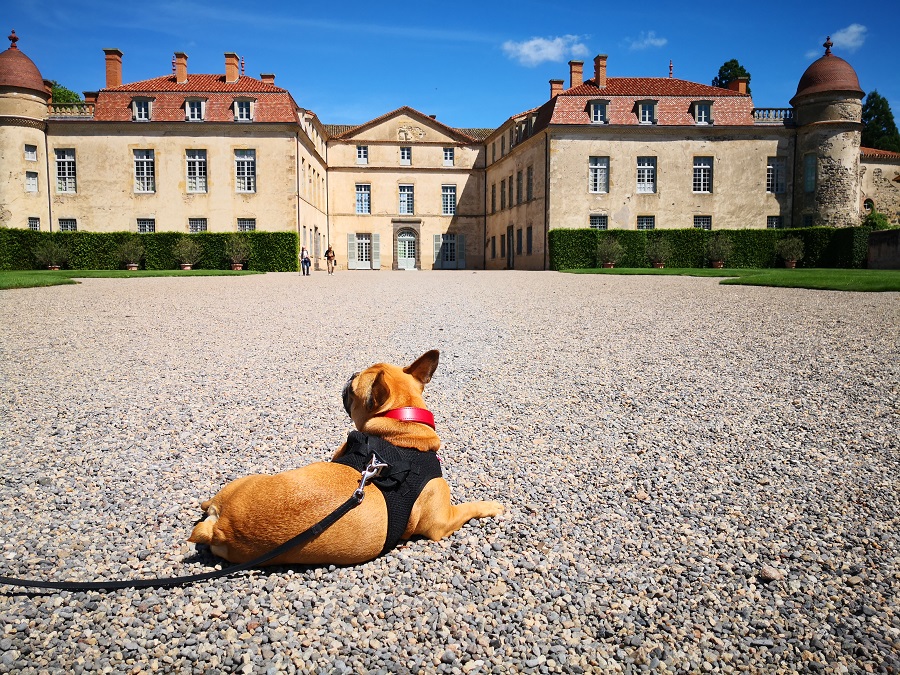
(879,129)
(729,71)
(63,94)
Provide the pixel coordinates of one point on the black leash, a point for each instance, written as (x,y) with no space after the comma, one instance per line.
(355,500)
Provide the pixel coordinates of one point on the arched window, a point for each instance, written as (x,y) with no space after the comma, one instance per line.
(868,206)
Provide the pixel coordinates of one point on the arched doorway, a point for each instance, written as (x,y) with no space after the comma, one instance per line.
(406,250)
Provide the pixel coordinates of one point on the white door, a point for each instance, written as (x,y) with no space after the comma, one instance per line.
(406,250)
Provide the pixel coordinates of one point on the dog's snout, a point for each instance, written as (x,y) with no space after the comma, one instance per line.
(348,391)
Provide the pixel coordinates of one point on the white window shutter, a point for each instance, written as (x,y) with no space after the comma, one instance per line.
(351,251)
(376,251)
(437,251)
(461,251)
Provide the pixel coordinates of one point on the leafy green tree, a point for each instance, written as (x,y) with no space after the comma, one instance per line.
(879,129)
(729,71)
(63,94)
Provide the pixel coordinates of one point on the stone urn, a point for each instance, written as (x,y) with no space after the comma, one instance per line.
(237,266)
(186,266)
(131,267)
(53,268)
(659,265)
(608,265)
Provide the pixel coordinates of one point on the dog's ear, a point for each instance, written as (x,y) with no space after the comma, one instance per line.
(423,367)
(378,393)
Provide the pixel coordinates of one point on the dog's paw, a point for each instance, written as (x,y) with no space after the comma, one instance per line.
(492,509)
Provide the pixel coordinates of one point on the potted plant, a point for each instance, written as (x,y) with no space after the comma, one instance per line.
(131,251)
(718,249)
(609,252)
(237,250)
(50,254)
(187,252)
(789,249)
(658,250)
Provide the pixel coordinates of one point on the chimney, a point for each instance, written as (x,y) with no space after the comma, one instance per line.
(556,86)
(113,68)
(232,67)
(600,71)
(90,96)
(576,73)
(739,84)
(268,78)
(180,67)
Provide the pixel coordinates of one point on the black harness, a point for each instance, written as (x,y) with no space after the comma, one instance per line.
(401,481)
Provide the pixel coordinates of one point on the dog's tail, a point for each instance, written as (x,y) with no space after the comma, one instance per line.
(203,531)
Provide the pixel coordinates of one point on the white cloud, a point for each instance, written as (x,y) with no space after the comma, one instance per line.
(538,50)
(647,40)
(850,38)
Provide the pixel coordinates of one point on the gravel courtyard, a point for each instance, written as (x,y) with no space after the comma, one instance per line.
(699,478)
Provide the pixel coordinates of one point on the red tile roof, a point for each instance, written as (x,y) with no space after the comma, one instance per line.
(347,133)
(199,83)
(875,153)
(651,87)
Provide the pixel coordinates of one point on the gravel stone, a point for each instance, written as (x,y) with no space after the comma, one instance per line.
(658,442)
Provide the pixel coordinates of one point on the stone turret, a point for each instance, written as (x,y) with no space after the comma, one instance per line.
(828,115)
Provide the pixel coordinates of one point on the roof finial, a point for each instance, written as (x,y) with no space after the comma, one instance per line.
(13,39)
(242,66)
(671,69)
(828,44)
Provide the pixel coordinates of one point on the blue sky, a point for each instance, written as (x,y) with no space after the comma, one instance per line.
(471,64)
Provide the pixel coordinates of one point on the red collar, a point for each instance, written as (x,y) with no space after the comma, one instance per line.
(411,415)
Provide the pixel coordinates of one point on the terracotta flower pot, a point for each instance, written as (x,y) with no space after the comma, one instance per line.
(237,266)
(659,265)
(790,264)
(131,267)
(53,268)
(608,266)
(718,264)
(185,266)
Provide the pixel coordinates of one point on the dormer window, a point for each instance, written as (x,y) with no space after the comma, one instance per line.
(195,109)
(599,111)
(141,109)
(243,110)
(703,112)
(646,111)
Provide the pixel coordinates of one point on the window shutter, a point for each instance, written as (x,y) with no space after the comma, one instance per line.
(376,251)
(437,251)
(351,251)
(461,251)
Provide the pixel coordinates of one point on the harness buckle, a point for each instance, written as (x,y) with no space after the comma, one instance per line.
(373,470)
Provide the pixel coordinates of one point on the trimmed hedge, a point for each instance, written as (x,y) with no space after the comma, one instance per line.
(271,251)
(844,247)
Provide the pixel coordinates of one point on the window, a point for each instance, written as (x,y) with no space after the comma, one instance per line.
(448,156)
(703,112)
(144,171)
(509,185)
(599,221)
(196,225)
(494,151)
(502,145)
(773,222)
(407,203)
(405,156)
(646,174)
(363,248)
(502,194)
(703,169)
(196,170)
(529,183)
(502,245)
(65,170)
(245,170)
(493,197)
(703,222)
(146,225)
(194,109)
(528,240)
(519,241)
(448,250)
(30,153)
(34,224)
(246,224)
(448,199)
(598,110)
(31,181)
(362,154)
(493,247)
(809,173)
(243,111)
(363,198)
(68,225)
(519,195)
(646,222)
(598,174)
(808,220)
(647,112)
(868,206)
(140,110)
(775,175)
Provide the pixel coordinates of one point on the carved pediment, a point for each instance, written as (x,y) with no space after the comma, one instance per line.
(410,132)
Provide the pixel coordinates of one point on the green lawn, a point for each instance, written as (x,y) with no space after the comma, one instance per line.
(34,278)
(820,279)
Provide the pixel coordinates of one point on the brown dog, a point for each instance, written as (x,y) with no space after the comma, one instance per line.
(252,515)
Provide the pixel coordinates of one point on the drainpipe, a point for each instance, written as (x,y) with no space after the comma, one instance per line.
(297,172)
(546,197)
(49,195)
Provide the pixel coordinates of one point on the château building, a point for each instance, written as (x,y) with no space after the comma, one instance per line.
(228,152)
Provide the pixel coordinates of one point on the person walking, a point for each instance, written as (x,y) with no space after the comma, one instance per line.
(330,257)
(304,261)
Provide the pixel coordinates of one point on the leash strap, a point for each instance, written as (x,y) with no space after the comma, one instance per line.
(301,538)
